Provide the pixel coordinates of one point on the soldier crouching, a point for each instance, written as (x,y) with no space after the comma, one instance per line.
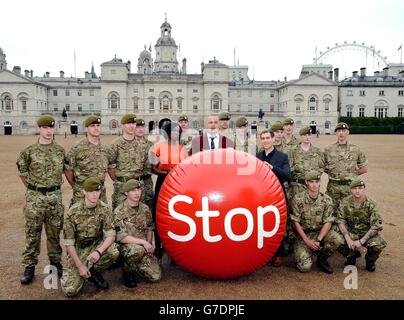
(89,238)
(312,217)
(134,228)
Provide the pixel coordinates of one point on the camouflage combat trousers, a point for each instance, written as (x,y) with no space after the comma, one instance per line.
(304,255)
(147,193)
(71,281)
(42,209)
(78,194)
(337,192)
(137,260)
(374,246)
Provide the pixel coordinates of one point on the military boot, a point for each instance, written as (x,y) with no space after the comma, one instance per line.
(351,260)
(129,279)
(59,267)
(323,264)
(370,266)
(28,275)
(97,279)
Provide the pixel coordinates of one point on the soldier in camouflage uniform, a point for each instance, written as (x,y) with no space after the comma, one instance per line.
(305,157)
(360,224)
(224,121)
(41,167)
(312,216)
(288,138)
(187,133)
(89,235)
(134,227)
(129,160)
(87,158)
(344,161)
(242,139)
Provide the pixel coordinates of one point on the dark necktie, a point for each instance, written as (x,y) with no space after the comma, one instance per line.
(212,143)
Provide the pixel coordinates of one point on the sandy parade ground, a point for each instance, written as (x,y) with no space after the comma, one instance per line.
(385,182)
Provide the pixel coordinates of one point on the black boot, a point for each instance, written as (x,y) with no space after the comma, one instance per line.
(97,279)
(28,275)
(129,279)
(351,260)
(58,266)
(117,263)
(324,266)
(370,266)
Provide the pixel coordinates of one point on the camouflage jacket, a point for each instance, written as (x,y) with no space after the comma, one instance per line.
(42,164)
(85,226)
(341,161)
(288,149)
(312,214)
(294,142)
(359,218)
(304,161)
(135,222)
(88,160)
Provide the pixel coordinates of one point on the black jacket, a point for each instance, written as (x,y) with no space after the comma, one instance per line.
(279,162)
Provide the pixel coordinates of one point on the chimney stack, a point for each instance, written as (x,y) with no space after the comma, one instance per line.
(87,75)
(401,73)
(385,72)
(330,75)
(47,74)
(355,74)
(363,72)
(377,73)
(32,74)
(184,66)
(26,72)
(62,74)
(17,69)
(336,74)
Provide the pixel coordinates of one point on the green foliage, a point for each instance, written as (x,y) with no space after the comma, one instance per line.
(373,125)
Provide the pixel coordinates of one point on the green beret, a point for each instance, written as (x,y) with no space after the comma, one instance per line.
(305,130)
(92,120)
(242,121)
(224,115)
(357,183)
(46,121)
(312,175)
(341,125)
(128,118)
(182,117)
(276,126)
(288,121)
(140,122)
(92,184)
(130,185)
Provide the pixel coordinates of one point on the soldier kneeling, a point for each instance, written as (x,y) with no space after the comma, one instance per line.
(89,236)
(360,224)
(312,218)
(134,233)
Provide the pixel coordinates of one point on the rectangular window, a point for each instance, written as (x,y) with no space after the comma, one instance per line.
(238,109)
(195,91)
(135,90)
(79,107)
(67,107)
(298,108)
(67,92)
(151,90)
(400,112)
(401,92)
(92,92)
(195,108)
(179,104)
(24,105)
(55,93)
(151,105)
(349,93)
(381,112)
(381,93)
(362,93)
(349,112)
(179,90)
(79,92)
(250,108)
(361,112)
(91,106)
(55,107)
(272,108)
(272,94)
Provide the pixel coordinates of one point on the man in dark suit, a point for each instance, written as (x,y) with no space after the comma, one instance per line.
(278,162)
(211,139)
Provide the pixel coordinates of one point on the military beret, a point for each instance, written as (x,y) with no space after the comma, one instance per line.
(304,130)
(288,121)
(182,117)
(128,118)
(224,115)
(341,125)
(46,121)
(242,121)
(140,122)
(276,126)
(130,185)
(312,175)
(92,120)
(92,184)
(357,183)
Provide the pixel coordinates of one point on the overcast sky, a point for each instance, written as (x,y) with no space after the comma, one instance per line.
(274,38)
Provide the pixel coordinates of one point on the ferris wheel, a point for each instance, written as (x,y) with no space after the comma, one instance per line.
(367,56)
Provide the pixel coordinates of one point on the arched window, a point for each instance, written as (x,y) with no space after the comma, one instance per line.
(151,104)
(135,104)
(23,125)
(216,102)
(349,110)
(7,103)
(113,124)
(327,102)
(313,103)
(195,124)
(113,101)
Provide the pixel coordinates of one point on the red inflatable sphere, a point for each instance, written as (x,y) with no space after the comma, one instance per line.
(221,214)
